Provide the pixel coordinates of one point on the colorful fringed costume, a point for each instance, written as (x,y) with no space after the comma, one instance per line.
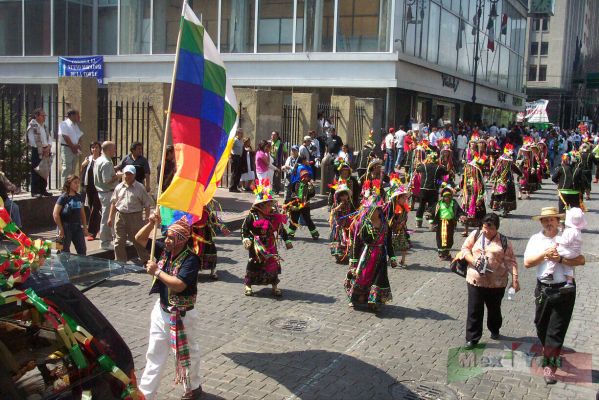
(299,206)
(398,209)
(340,220)
(447,214)
(203,233)
(472,188)
(503,195)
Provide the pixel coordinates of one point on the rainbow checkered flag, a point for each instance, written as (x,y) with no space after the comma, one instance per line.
(203,118)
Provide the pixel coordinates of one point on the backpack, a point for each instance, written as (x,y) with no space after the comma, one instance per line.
(502,238)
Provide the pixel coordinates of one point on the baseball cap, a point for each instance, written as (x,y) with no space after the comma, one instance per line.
(129,169)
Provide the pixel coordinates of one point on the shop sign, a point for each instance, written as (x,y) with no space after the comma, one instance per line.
(501,97)
(517,101)
(82,66)
(450,81)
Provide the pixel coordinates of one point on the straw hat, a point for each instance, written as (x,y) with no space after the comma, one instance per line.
(547,212)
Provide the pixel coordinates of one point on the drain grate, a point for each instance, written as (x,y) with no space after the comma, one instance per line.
(295,324)
(412,390)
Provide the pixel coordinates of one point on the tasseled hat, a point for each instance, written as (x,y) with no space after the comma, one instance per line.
(263,191)
(508,149)
(446,188)
(396,186)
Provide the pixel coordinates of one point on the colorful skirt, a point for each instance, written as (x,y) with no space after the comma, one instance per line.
(208,257)
(368,281)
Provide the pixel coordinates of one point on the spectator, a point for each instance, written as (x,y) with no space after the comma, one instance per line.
(248,165)
(486,246)
(69,216)
(142,167)
(493,130)
(40,144)
(400,136)
(346,155)
(278,153)
(461,144)
(69,136)
(553,307)
(288,170)
(334,143)
(6,188)
(387,147)
(129,200)
(304,149)
(91,194)
(236,152)
(264,167)
(105,180)
(169,169)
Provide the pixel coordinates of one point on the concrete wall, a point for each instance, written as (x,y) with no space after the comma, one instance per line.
(308,104)
(374,110)
(345,124)
(261,112)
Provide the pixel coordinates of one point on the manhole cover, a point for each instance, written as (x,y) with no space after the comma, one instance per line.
(412,390)
(295,324)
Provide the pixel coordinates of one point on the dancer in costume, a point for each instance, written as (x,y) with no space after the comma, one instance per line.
(586,165)
(481,150)
(417,156)
(473,193)
(303,191)
(259,234)
(472,150)
(340,220)
(538,163)
(568,177)
(493,152)
(431,174)
(203,232)
(397,215)
(503,194)
(543,159)
(344,171)
(175,279)
(528,182)
(367,280)
(447,214)
(446,160)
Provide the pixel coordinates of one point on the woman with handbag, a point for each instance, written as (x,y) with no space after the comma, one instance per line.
(491,259)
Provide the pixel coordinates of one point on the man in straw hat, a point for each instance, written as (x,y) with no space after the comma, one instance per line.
(553,307)
(175,279)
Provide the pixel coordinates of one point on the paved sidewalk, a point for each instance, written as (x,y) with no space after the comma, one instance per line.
(310,345)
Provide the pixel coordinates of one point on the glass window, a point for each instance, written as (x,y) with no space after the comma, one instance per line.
(464,9)
(398,33)
(544,48)
(422,28)
(433,33)
(11,28)
(135,27)
(73,27)
(37,34)
(542,73)
(546,24)
(207,12)
(237,26)
(536,24)
(315,25)
(532,72)
(448,40)
(504,65)
(363,25)
(514,71)
(534,48)
(466,51)
(108,24)
(275,26)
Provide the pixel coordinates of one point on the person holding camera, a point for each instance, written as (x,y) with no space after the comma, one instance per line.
(491,259)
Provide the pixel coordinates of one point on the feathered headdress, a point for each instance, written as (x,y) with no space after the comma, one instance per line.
(508,149)
(263,191)
(527,140)
(444,144)
(371,191)
(396,186)
(474,137)
(478,160)
(340,164)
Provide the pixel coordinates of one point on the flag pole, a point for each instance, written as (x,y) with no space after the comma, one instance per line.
(168,127)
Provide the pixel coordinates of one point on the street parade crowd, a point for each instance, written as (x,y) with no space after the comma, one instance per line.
(460,180)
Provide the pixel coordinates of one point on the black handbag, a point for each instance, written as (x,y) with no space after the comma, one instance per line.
(459,265)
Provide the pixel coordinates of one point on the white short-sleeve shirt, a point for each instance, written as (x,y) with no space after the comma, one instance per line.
(538,243)
(70,129)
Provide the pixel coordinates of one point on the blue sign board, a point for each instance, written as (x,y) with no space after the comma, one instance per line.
(82,66)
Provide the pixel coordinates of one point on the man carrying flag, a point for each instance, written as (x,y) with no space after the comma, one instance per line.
(202,117)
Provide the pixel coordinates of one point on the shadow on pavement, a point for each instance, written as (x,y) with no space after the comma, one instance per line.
(443,266)
(320,374)
(118,282)
(224,276)
(294,295)
(394,311)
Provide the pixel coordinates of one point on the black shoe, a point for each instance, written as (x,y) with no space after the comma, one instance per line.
(194,394)
(495,335)
(47,194)
(470,344)
(234,190)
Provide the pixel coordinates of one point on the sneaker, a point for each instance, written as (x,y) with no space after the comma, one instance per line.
(549,375)
(193,395)
(234,190)
(107,246)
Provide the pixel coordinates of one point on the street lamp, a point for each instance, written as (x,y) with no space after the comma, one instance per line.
(479,12)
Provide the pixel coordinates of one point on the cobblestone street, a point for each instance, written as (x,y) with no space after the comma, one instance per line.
(310,345)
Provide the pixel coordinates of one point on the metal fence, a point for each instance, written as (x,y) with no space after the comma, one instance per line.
(16,107)
(290,130)
(124,122)
(359,119)
(330,112)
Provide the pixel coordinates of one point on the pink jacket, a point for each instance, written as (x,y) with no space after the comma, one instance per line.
(262,162)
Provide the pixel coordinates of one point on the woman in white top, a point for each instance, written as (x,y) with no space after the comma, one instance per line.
(92,200)
(553,306)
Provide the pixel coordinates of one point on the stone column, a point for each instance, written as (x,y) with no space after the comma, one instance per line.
(261,112)
(308,104)
(373,119)
(345,123)
(81,93)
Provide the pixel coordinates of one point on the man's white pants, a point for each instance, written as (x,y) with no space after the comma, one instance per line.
(159,348)
(68,163)
(106,232)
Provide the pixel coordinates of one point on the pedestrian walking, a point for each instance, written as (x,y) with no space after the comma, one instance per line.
(173,320)
(105,180)
(69,136)
(235,158)
(553,306)
(491,260)
(69,216)
(141,164)
(388,148)
(568,177)
(129,200)
(91,194)
(40,145)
